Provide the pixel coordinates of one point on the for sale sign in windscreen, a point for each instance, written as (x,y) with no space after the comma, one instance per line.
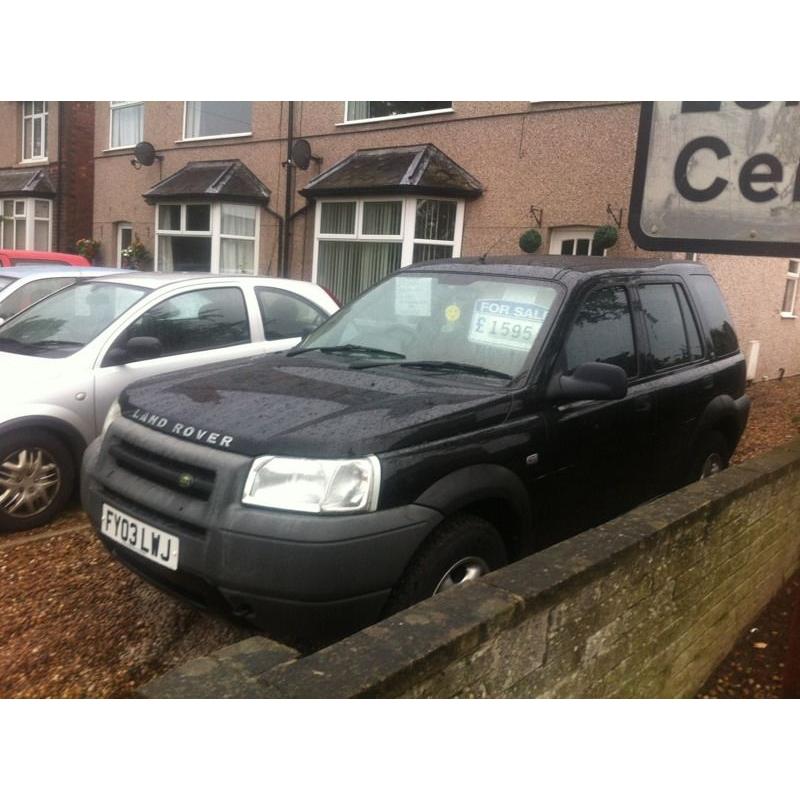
(718,177)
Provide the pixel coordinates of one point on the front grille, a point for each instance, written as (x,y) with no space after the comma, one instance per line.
(169,523)
(167,472)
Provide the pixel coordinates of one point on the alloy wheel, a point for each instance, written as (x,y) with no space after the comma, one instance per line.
(29,482)
(711,466)
(463,571)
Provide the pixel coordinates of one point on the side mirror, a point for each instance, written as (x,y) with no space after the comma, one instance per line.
(590,381)
(140,348)
(2,320)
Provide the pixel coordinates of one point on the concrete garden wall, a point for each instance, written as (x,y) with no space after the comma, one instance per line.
(644,606)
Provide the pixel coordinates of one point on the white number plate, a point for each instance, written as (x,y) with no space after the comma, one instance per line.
(140,537)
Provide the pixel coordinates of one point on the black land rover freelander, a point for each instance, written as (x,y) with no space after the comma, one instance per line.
(456,416)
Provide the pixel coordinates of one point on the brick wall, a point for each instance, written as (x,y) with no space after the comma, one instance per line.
(644,606)
(75,177)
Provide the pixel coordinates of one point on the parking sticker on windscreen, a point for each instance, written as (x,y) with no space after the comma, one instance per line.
(506,323)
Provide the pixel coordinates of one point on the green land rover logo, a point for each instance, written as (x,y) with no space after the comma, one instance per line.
(185,480)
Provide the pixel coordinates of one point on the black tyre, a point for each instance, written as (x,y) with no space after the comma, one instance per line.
(462,549)
(711,456)
(37,475)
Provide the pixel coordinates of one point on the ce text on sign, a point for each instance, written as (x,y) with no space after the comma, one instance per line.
(718,177)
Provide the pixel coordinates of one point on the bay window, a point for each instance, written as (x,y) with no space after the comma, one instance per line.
(359,242)
(34,131)
(127,123)
(206,237)
(26,224)
(210,118)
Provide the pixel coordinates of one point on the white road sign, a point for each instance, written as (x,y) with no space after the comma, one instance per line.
(718,177)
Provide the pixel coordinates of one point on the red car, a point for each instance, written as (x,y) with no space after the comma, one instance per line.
(32,258)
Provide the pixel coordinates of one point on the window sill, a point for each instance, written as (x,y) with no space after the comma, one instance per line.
(44,160)
(394,117)
(214,138)
(121,148)
(788,315)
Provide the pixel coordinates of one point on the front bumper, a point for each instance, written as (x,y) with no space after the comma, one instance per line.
(288,573)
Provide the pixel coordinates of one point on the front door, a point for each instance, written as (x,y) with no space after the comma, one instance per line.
(602,449)
(194,328)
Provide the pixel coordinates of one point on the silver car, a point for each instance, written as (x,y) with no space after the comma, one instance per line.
(64,360)
(21,287)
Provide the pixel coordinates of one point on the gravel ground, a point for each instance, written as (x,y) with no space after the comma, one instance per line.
(74,623)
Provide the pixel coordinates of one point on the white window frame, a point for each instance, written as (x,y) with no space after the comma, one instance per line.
(112,107)
(214,233)
(792,276)
(411,114)
(28,213)
(122,226)
(559,235)
(185,138)
(408,219)
(42,117)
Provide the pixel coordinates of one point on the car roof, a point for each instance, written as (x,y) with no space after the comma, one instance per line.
(58,271)
(545,266)
(44,255)
(154,280)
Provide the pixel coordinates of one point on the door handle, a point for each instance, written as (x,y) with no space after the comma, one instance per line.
(707,382)
(642,404)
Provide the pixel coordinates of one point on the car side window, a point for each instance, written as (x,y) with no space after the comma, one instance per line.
(203,319)
(30,293)
(671,329)
(603,331)
(286,316)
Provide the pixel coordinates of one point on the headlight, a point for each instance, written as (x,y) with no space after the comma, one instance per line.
(314,485)
(113,413)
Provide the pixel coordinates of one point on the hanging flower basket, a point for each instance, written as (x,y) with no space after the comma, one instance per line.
(530,241)
(605,236)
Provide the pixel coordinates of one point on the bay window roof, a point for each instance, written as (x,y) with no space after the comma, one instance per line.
(420,169)
(25,183)
(210,181)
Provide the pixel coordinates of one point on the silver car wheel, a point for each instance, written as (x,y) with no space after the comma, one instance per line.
(463,571)
(711,466)
(29,481)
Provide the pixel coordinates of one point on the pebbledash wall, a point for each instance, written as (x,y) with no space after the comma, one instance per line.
(571,160)
(644,606)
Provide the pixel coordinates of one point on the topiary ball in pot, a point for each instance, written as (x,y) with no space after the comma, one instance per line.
(530,240)
(605,236)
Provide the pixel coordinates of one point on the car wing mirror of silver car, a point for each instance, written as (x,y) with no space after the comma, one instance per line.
(138,348)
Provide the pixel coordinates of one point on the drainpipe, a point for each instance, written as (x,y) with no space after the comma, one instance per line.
(60,192)
(287,214)
(280,235)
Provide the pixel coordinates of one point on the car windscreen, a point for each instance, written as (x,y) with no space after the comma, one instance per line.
(6,281)
(489,323)
(66,321)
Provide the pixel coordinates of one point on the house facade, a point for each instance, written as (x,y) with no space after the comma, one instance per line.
(376,185)
(46,174)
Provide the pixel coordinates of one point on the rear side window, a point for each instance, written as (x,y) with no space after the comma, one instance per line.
(286,316)
(671,328)
(603,332)
(709,297)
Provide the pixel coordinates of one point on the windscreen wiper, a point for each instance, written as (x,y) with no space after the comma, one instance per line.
(348,348)
(438,366)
